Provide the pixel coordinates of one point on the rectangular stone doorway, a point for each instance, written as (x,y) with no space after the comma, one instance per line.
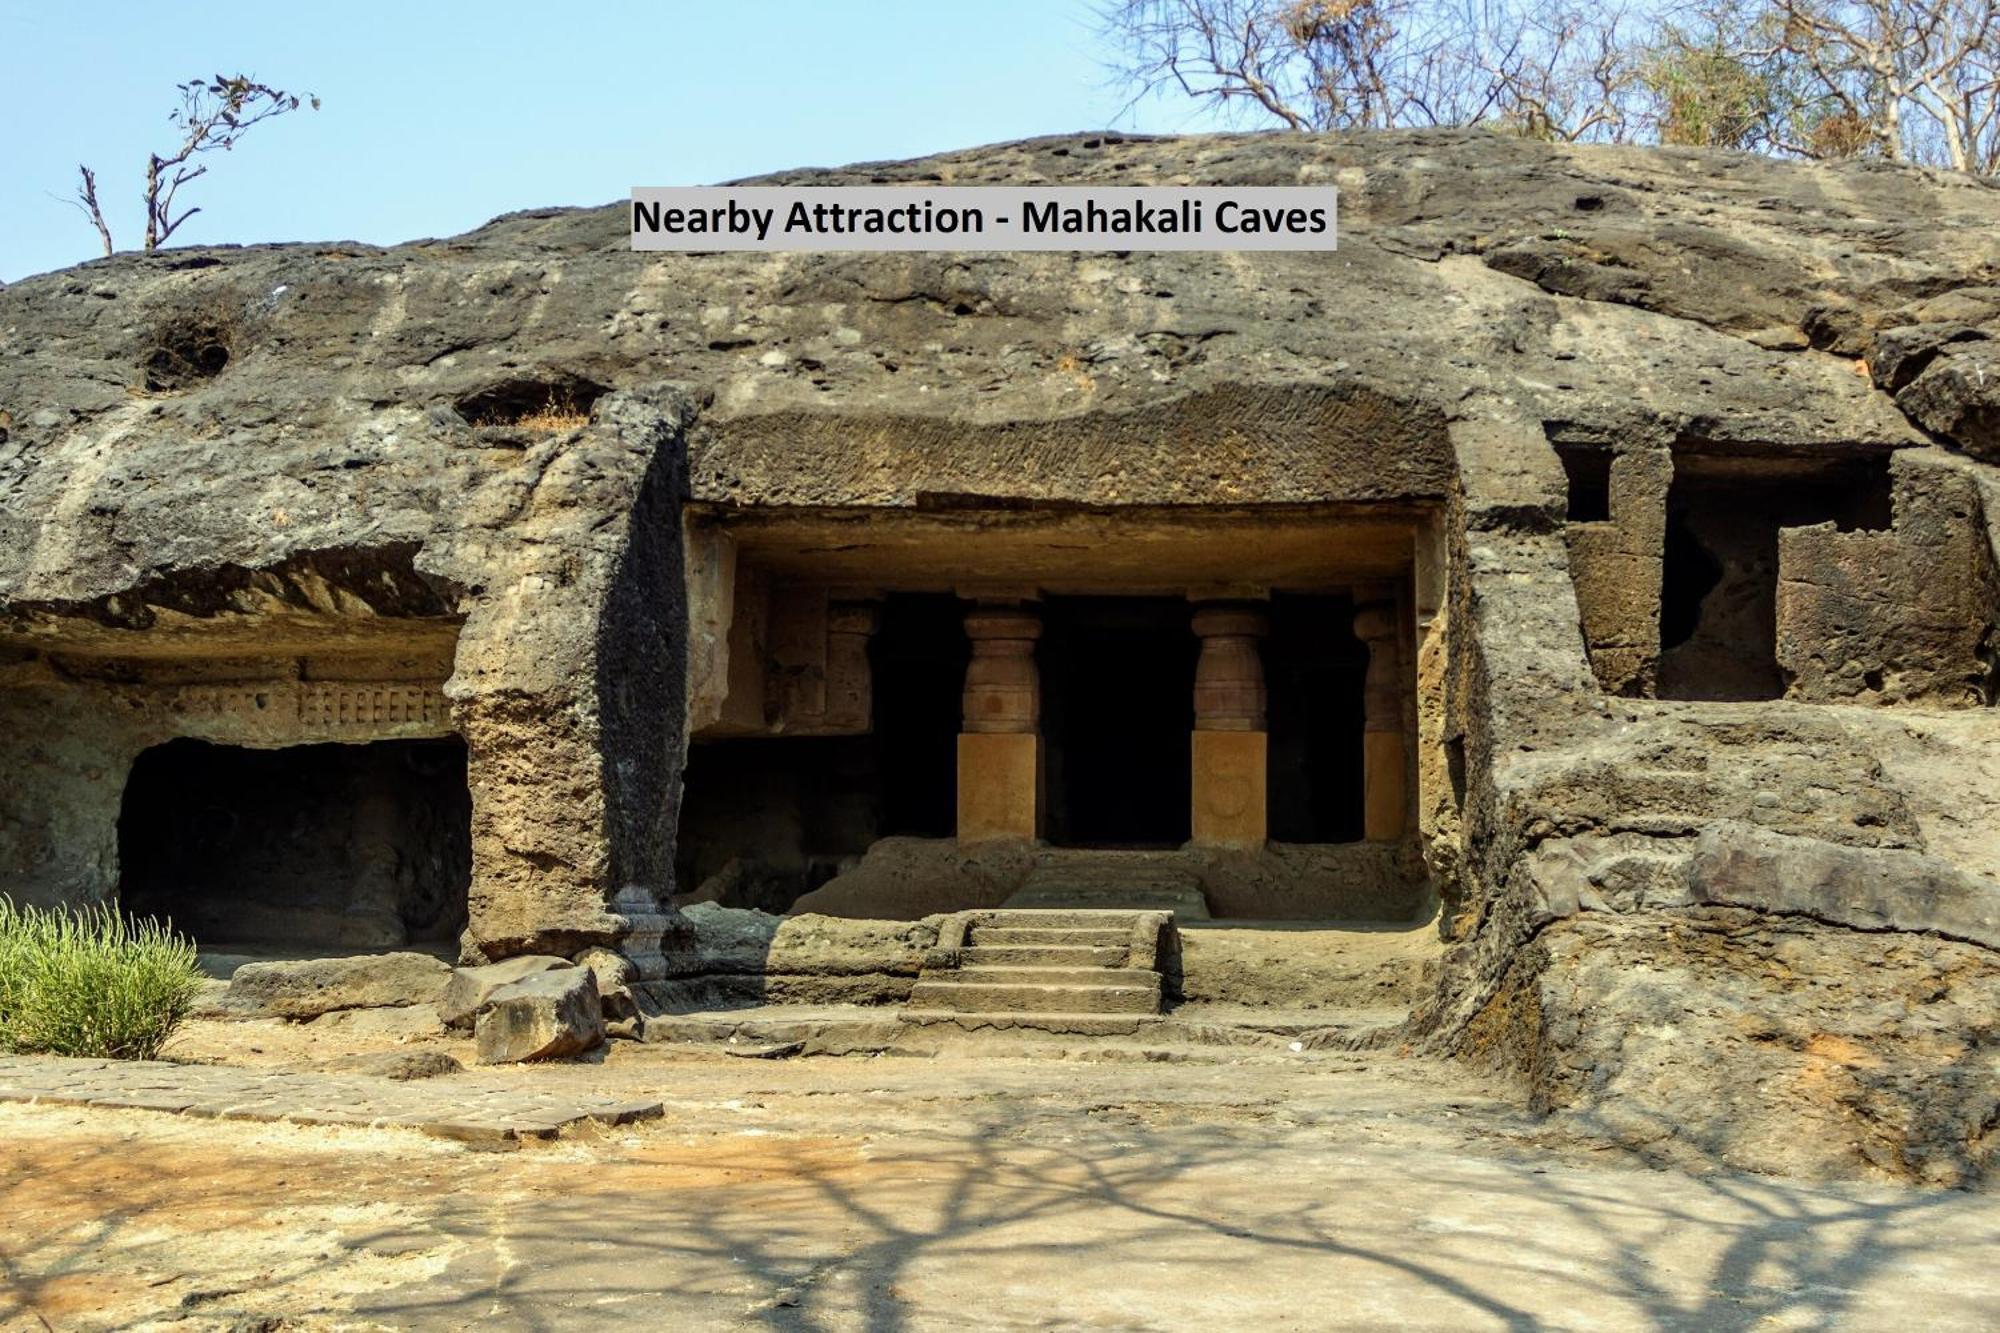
(1117,707)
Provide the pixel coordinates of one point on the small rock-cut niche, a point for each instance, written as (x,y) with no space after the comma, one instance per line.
(187,349)
(1588,470)
(309,848)
(553,402)
(1719,584)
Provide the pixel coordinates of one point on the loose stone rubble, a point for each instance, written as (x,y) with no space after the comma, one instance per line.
(1598,555)
(546,1016)
(470,989)
(311,987)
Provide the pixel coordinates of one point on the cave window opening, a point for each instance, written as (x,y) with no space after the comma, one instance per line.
(1719,583)
(1117,678)
(1588,471)
(313,849)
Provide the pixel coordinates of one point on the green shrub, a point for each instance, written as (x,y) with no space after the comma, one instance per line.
(91,983)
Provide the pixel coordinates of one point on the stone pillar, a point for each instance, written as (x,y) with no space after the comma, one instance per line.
(1000,747)
(1231,747)
(849,681)
(1382,739)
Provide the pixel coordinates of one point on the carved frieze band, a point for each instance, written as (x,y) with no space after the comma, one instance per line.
(320,706)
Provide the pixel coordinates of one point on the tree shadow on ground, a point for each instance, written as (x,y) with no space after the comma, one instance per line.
(1027,1213)
(995,1222)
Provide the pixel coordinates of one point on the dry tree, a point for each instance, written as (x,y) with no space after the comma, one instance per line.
(1911,80)
(213,115)
(1562,69)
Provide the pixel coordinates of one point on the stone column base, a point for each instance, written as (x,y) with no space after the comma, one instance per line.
(999,785)
(1229,787)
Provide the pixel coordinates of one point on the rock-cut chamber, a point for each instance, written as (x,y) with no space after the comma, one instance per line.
(335,847)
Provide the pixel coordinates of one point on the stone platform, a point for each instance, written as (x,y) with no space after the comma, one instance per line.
(453,1109)
(1225,1033)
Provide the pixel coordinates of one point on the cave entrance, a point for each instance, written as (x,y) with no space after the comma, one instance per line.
(1117,708)
(1316,670)
(1719,584)
(311,848)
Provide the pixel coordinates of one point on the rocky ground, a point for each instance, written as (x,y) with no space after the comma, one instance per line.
(1269,1189)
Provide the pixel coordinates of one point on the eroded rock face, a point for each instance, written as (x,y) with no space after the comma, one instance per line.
(1770,1043)
(737,954)
(460,467)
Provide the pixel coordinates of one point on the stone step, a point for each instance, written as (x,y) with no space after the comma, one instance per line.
(1044,955)
(1087,918)
(1082,1025)
(996,997)
(1112,886)
(1188,904)
(1044,976)
(981,936)
(1135,864)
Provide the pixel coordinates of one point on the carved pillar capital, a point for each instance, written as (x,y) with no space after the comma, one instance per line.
(1002,687)
(1229,693)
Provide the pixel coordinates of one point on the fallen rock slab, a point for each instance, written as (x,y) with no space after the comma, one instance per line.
(548,1016)
(402,1066)
(469,988)
(307,988)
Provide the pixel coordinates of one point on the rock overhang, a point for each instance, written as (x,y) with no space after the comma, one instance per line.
(345,357)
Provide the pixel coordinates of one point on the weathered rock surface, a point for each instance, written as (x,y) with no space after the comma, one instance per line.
(1769,1043)
(546,1016)
(352,471)
(315,986)
(1958,397)
(616,976)
(1304,968)
(469,988)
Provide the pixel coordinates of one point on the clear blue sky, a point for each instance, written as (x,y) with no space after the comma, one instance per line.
(438,115)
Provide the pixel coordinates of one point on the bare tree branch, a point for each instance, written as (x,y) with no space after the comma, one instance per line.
(1912,80)
(213,115)
(86,200)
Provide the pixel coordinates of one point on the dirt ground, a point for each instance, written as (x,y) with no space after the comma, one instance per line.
(967,1190)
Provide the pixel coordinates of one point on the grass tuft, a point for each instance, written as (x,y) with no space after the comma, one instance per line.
(560,412)
(91,983)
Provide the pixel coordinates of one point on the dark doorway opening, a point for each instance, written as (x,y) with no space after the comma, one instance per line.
(1719,585)
(313,847)
(1315,667)
(918,659)
(766,819)
(1117,712)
